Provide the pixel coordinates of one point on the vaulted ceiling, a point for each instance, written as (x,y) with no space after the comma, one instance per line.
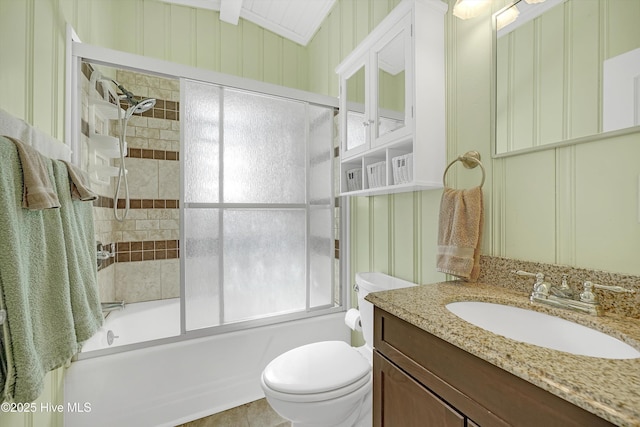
(296,20)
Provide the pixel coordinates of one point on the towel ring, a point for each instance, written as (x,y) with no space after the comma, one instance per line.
(470,160)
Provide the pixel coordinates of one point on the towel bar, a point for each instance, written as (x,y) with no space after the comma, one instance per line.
(470,160)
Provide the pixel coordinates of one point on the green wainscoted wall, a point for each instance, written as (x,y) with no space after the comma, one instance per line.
(574,205)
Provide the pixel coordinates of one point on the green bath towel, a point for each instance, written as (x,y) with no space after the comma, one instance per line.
(79,237)
(47,287)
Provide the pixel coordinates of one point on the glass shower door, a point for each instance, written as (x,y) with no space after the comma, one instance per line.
(258,205)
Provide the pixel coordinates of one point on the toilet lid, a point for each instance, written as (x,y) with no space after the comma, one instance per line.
(316,368)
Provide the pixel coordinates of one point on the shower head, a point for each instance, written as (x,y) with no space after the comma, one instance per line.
(140,106)
(135,105)
(143,105)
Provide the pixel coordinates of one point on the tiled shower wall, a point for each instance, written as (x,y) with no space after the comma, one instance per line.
(146,265)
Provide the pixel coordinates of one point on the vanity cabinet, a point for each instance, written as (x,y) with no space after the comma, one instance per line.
(420,379)
(392,90)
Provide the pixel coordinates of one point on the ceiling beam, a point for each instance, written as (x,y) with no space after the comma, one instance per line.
(230,11)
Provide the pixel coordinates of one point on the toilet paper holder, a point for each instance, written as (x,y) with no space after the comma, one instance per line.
(352,319)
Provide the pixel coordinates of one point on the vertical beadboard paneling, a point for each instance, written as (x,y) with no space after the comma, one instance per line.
(252,48)
(531,212)
(83,20)
(362,25)
(334,53)
(154,30)
(272,58)
(380,233)
(360,237)
(181,34)
(59,72)
(497,238)
(347,19)
(606,194)
(43,66)
(565,205)
(230,59)
(402,240)
(319,62)
(293,66)
(428,233)
(15,59)
(207,39)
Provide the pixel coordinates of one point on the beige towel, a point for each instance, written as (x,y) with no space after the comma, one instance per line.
(38,192)
(459,233)
(79,188)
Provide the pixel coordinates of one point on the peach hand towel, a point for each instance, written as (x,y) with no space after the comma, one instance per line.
(460,232)
(79,188)
(38,191)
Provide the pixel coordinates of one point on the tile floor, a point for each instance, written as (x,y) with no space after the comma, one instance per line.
(253,414)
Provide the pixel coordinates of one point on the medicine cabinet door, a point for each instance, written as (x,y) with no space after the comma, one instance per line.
(392,83)
(356,121)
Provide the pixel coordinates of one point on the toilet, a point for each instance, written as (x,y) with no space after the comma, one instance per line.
(329,383)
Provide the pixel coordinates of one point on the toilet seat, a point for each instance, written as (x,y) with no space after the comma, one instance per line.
(318,371)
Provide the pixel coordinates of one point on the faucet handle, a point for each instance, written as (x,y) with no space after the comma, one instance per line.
(587,294)
(538,276)
(618,289)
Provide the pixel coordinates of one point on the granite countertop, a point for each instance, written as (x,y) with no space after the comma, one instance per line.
(609,388)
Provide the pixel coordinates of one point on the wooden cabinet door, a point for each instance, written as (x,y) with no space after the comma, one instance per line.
(400,401)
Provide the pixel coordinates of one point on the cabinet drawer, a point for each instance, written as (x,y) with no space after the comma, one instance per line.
(476,388)
(403,402)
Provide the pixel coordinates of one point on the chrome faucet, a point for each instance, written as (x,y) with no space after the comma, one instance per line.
(112,306)
(563,296)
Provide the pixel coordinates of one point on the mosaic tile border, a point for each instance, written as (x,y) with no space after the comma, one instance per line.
(107,202)
(143,153)
(147,250)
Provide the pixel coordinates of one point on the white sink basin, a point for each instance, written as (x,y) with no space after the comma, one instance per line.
(542,330)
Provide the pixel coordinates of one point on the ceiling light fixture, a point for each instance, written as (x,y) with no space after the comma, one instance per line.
(465,9)
(507,17)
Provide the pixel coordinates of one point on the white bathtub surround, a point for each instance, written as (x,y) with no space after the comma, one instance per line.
(169,384)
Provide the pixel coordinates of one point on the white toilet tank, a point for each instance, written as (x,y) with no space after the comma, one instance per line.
(373,282)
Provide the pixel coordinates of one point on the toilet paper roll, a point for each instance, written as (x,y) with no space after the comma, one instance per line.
(352,319)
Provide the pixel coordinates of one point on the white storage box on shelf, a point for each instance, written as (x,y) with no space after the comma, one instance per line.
(376,174)
(402,168)
(392,101)
(354,179)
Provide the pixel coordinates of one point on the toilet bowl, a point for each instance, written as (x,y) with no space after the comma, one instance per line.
(329,383)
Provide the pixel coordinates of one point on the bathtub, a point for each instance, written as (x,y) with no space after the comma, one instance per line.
(138,322)
(169,384)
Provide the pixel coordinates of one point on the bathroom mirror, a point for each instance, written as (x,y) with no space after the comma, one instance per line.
(391,85)
(562,73)
(356,131)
